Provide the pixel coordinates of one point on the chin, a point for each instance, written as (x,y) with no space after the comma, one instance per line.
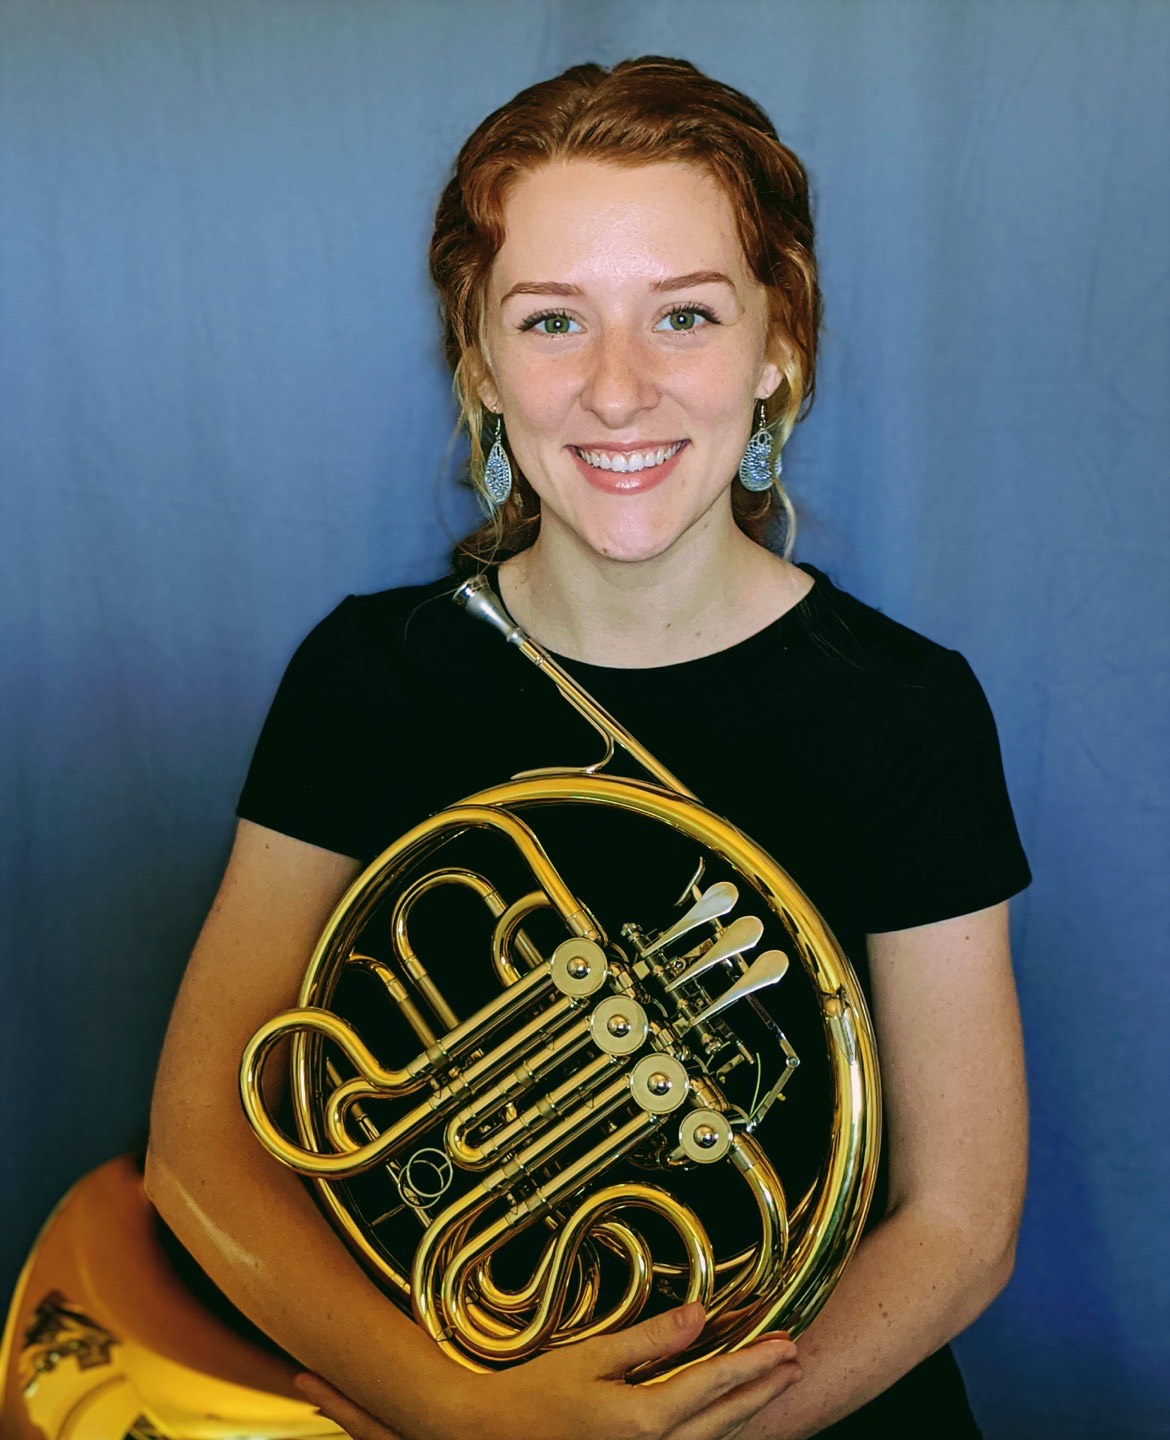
(630,549)
(638,530)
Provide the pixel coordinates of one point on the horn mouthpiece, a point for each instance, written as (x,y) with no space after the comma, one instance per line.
(479,599)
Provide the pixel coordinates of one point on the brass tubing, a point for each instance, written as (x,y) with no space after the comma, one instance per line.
(489,1017)
(668,1270)
(506,1303)
(371,1132)
(532,1336)
(439,1103)
(583,1298)
(600,718)
(744,1257)
(436,1060)
(444,1232)
(428,1258)
(507,917)
(582,1304)
(377,1079)
(501,912)
(506,926)
(567,1181)
(404,951)
(397,992)
(766,1258)
(576,917)
(577,1320)
(510,1301)
(825,1245)
(375,1082)
(583,1082)
(633,1298)
(554,1138)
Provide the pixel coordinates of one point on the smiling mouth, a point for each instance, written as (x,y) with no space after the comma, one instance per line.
(624,461)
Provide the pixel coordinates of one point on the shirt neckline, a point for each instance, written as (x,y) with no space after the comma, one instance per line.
(715,659)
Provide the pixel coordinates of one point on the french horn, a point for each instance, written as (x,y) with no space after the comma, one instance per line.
(598,1134)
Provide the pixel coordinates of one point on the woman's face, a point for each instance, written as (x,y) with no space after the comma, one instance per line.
(626,347)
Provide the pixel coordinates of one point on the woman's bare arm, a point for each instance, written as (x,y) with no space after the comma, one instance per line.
(253,1227)
(953,1076)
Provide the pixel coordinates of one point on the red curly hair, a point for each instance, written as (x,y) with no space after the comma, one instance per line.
(640,112)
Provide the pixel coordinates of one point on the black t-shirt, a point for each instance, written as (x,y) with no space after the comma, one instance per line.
(861,755)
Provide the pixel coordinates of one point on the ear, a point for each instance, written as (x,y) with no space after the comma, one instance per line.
(482,382)
(772,370)
(489,396)
(770,377)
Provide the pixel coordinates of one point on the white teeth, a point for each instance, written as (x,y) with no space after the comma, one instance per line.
(624,461)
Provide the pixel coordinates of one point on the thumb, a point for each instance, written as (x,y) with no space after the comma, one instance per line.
(653,1339)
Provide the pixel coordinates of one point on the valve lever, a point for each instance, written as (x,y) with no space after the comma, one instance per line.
(692,891)
(742,934)
(717,900)
(765,970)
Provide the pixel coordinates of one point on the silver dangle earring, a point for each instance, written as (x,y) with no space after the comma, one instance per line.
(497,473)
(756,469)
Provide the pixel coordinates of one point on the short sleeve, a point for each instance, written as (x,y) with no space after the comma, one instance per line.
(940,836)
(304,774)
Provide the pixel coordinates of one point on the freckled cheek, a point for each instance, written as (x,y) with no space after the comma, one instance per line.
(538,393)
(712,397)
(710,380)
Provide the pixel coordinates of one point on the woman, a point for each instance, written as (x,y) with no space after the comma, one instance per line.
(625,264)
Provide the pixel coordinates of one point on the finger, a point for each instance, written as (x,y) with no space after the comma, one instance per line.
(701,1386)
(611,1356)
(733,1410)
(339,1408)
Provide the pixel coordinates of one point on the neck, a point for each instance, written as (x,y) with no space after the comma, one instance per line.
(703,594)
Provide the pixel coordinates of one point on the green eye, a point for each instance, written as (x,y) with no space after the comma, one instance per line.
(685,319)
(553,323)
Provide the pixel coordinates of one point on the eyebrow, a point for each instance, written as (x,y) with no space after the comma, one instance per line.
(672,282)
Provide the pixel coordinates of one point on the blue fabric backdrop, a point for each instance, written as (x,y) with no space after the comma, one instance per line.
(224,407)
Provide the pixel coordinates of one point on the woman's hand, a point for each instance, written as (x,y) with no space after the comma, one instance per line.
(579,1392)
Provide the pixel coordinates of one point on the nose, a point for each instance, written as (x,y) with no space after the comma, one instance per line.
(619,383)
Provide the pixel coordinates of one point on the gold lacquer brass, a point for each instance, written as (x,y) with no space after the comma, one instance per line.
(590,1122)
(105,1339)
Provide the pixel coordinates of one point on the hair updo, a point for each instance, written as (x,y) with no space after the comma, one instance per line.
(642,111)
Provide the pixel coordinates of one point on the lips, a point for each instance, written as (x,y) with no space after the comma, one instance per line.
(599,467)
(625,461)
